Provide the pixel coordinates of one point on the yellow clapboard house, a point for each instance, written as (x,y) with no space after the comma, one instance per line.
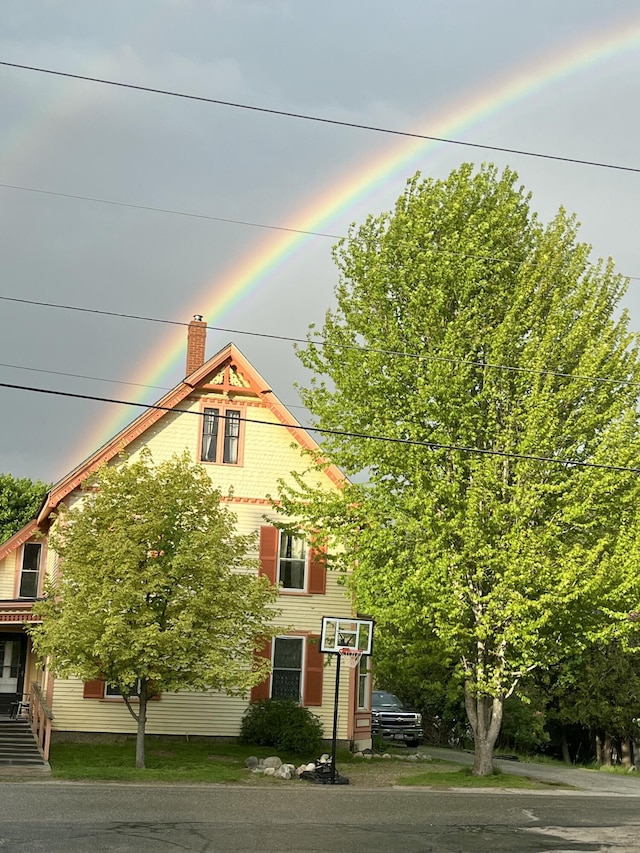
(247,440)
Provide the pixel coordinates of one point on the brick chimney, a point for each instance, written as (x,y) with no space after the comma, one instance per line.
(196,341)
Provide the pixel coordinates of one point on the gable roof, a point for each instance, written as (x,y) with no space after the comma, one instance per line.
(227,359)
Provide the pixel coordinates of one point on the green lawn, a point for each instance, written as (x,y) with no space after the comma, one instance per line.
(167,761)
(183,761)
(446,776)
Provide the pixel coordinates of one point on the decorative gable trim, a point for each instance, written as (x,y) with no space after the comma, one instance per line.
(238,377)
(18,539)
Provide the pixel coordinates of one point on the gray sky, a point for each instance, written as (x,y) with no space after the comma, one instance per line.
(403,65)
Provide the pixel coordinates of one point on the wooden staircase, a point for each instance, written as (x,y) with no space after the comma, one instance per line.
(19,752)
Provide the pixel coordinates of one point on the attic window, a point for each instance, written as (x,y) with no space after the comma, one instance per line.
(30,570)
(221,436)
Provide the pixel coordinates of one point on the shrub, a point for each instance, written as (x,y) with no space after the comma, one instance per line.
(281,723)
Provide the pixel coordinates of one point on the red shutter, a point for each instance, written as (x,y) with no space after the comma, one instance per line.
(317,571)
(262,690)
(93,689)
(314,668)
(269,538)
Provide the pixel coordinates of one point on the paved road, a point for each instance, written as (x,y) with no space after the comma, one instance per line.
(92,818)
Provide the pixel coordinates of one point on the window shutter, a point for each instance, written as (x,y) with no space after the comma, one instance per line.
(317,571)
(314,668)
(262,690)
(269,537)
(93,689)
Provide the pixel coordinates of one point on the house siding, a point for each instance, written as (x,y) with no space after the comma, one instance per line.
(8,576)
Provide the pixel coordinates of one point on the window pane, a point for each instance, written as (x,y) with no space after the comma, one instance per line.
(287,653)
(31,556)
(285,684)
(292,575)
(209,435)
(292,547)
(29,584)
(231,437)
(15,660)
(112,690)
(293,553)
(363,683)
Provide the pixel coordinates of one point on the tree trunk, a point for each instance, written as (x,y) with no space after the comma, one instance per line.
(598,750)
(485,716)
(625,752)
(142,723)
(566,755)
(606,751)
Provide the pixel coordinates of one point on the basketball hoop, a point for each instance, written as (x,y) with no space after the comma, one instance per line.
(351,656)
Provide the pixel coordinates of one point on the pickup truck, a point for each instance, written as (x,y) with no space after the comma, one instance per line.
(392,720)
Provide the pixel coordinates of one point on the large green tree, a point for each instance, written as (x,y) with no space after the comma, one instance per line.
(156,592)
(20,500)
(478,370)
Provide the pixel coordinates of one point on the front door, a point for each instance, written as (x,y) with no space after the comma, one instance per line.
(11,669)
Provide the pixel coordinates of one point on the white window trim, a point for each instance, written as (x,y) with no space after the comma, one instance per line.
(289,590)
(303,663)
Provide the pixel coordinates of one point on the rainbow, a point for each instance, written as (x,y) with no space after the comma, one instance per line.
(219,297)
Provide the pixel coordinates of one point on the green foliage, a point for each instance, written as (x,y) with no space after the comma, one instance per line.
(283,724)
(523,725)
(20,500)
(494,354)
(598,689)
(154,587)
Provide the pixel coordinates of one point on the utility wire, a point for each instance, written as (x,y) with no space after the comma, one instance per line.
(250,224)
(83,376)
(112,381)
(169,210)
(431,445)
(289,339)
(321,119)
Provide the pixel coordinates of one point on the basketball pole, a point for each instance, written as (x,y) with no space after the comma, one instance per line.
(335,722)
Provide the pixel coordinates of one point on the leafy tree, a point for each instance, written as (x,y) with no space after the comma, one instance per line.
(599,689)
(154,595)
(20,500)
(492,356)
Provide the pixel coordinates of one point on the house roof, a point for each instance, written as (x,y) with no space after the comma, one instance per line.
(228,355)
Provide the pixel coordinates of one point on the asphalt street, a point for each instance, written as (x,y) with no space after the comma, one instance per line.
(91,818)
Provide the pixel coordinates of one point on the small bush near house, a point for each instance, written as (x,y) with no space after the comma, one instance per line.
(283,724)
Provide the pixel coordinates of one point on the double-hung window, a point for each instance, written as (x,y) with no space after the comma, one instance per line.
(292,561)
(221,436)
(364,683)
(30,570)
(286,678)
(113,691)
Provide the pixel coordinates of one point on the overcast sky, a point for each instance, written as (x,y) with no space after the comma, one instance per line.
(401,65)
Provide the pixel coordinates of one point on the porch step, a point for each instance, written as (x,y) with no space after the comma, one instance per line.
(18,747)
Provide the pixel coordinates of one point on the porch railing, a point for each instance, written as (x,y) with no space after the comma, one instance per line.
(40,717)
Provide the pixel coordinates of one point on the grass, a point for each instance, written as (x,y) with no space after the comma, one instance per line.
(197,762)
(446,775)
(167,761)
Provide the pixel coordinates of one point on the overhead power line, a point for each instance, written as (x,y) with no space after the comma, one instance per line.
(430,445)
(193,215)
(170,211)
(379,351)
(321,119)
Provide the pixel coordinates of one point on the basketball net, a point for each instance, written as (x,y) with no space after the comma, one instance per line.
(351,657)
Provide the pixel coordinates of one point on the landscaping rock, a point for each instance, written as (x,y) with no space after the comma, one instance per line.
(251,762)
(273,761)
